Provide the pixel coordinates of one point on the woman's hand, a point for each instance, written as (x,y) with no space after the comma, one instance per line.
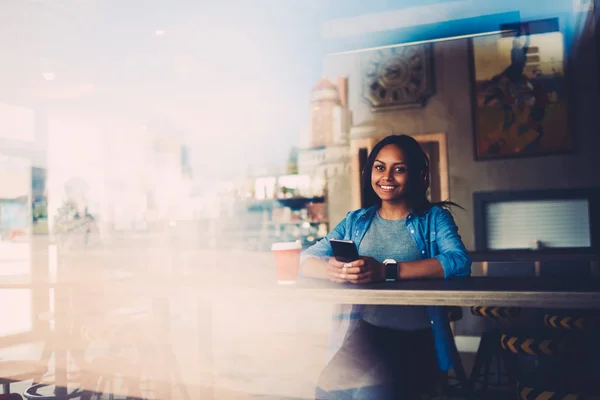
(336,271)
(363,270)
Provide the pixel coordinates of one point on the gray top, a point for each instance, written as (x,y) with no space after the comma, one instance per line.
(390,239)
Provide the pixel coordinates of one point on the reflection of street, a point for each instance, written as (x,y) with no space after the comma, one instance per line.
(14,257)
(272,349)
(14,261)
(257,347)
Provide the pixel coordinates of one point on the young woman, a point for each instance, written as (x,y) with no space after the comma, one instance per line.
(391,352)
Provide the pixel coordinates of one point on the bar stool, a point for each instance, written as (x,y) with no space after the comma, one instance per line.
(12,371)
(130,355)
(532,392)
(556,371)
(489,346)
(19,371)
(583,326)
(494,318)
(43,382)
(32,393)
(123,331)
(73,339)
(576,320)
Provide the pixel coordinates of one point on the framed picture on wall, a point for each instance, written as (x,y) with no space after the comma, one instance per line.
(519,96)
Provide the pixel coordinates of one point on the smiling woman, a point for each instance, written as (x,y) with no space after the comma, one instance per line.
(399,235)
(389,177)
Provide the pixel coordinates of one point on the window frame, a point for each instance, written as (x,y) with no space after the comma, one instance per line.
(482,199)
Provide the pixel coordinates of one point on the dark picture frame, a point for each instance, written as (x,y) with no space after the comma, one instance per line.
(519,92)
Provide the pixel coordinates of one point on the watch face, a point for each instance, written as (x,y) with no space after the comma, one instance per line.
(398,77)
(391,270)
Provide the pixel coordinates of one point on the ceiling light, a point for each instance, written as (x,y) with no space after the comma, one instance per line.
(159,32)
(49,76)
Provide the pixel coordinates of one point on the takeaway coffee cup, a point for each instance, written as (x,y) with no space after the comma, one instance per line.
(287,261)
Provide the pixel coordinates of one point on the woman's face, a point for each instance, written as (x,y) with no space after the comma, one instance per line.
(389,176)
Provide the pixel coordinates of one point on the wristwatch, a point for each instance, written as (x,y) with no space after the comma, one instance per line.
(391,270)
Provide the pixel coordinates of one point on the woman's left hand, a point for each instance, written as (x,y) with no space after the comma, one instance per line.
(363,270)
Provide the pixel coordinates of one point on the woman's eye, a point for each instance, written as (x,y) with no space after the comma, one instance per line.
(401,170)
(379,167)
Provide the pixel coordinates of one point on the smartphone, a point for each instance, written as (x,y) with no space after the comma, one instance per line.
(344,250)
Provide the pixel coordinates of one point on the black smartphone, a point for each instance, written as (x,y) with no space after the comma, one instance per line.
(344,250)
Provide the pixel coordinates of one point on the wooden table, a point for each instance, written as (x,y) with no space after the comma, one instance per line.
(483,291)
(474,291)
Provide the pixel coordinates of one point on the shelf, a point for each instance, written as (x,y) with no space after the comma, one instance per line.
(296,222)
(297,203)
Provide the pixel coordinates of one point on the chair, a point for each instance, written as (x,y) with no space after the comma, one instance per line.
(494,317)
(12,371)
(565,269)
(512,269)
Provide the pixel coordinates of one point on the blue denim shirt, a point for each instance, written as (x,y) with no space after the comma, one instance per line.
(436,235)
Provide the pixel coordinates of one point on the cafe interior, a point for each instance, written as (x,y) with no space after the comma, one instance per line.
(152,153)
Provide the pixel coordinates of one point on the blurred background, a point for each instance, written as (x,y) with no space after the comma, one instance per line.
(188,136)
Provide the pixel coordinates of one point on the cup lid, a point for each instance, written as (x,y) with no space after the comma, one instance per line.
(287,245)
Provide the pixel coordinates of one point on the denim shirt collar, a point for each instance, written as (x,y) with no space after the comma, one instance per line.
(370,213)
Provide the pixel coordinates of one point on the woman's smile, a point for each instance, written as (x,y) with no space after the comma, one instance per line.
(387,188)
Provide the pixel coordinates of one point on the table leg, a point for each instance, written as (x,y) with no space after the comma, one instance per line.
(59,343)
(162,310)
(205,343)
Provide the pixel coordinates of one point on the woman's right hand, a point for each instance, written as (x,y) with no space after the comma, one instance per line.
(335,270)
